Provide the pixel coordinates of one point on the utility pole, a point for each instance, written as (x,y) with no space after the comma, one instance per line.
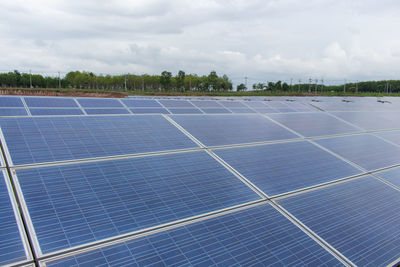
(142,83)
(316,84)
(59,80)
(344,86)
(357,86)
(322,84)
(387,87)
(309,85)
(291,84)
(125,81)
(30,78)
(245,82)
(190,83)
(299,84)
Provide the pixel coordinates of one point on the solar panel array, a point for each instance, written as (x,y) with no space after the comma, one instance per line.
(199,181)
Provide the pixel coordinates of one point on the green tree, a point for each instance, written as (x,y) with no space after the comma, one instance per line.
(241,87)
(165,80)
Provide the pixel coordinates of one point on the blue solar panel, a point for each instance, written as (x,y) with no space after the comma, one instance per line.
(280,168)
(366,150)
(392,176)
(146,103)
(99,103)
(13,112)
(265,110)
(46,139)
(256,104)
(242,110)
(359,218)
(11,246)
(232,104)
(55,111)
(185,111)
(393,137)
(176,103)
(94,111)
(285,110)
(75,204)
(206,104)
(232,129)
(258,236)
(215,110)
(50,102)
(149,110)
(314,124)
(10,102)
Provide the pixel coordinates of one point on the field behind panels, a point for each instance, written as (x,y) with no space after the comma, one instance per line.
(199,181)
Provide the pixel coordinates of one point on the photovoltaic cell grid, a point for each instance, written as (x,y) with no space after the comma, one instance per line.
(11,102)
(55,112)
(372,120)
(141,103)
(392,176)
(50,102)
(99,103)
(149,110)
(48,139)
(393,137)
(281,168)
(76,204)
(258,236)
(231,129)
(11,246)
(101,111)
(13,112)
(359,218)
(368,151)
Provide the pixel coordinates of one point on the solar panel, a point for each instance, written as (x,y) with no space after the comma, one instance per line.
(314,124)
(265,110)
(74,204)
(281,168)
(392,176)
(372,120)
(232,104)
(10,102)
(99,103)
(149,110)
(13,112)
(47,139)
(232,129)
(147,103)
(242,110)
(11,246)
(256,104)
(185,111)
(55,111)
(215,110)
(94,111)
(256,236)
(393,137)
(359,218)
(366,150)
(176,103)
(206,104)
(50,102)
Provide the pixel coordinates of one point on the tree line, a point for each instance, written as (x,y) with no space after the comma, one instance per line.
(88,80)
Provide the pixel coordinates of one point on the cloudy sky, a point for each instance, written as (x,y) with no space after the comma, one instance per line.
(263,40)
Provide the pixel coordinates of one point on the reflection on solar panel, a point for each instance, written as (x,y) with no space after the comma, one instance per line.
(185,111)
(215,110)
(75,204)
(280,168)
(50,102)
(55,111)
(46,139)
(99,103)
(232,104)
(206,104)
(232,129)
(13,112)
(372,120)
(359,218)
(314,124)
(93,111)
(11,246)
(257,236)
(392,176)
(141,103)
(176,103)
(149,110)
(256,104)
(366,150)
(393,137)
(10,102)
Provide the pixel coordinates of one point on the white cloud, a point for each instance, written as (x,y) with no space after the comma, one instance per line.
(265,40)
